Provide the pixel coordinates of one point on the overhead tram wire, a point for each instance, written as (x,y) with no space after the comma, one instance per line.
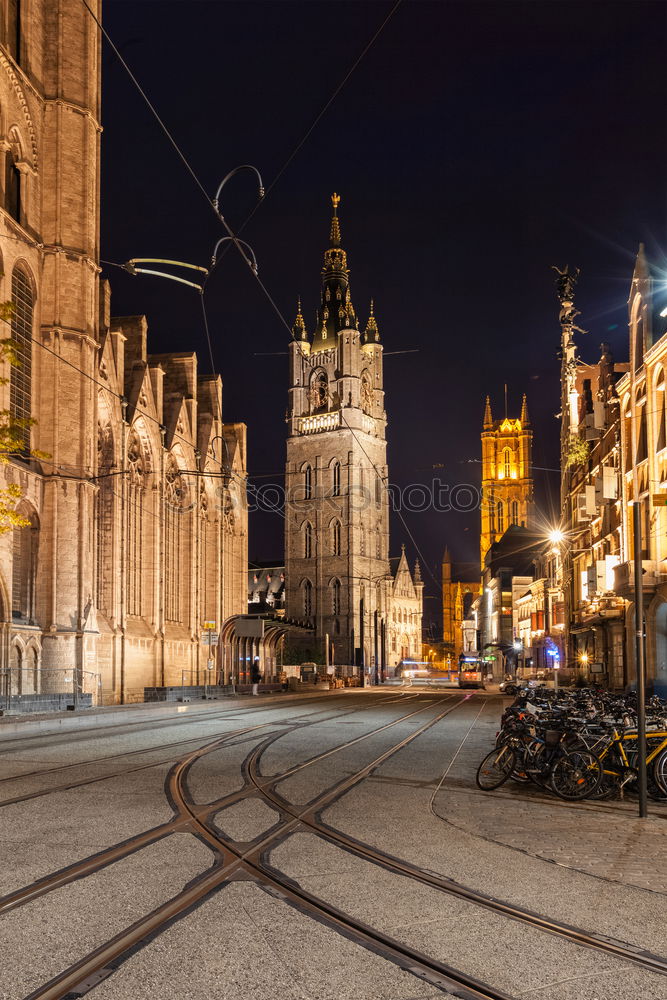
(147,416)
(234,240)
(317,119)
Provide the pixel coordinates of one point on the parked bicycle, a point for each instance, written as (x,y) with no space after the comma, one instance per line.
(578,744)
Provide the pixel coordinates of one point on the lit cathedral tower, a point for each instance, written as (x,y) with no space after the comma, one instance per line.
(336,524)
(507,475)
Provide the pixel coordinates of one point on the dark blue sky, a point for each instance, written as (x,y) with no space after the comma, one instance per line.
(475,145)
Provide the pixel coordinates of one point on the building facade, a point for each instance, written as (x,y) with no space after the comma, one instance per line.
(596,620)
(643,445)
(461,586)
(338,575)
(133,489)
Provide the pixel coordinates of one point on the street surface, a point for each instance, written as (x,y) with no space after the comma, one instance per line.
(324,846)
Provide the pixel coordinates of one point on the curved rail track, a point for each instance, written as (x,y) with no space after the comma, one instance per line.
(234,860)
(182,818)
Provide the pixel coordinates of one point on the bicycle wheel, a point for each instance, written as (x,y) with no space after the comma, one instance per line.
(610,785)
(656,776)
(495,769)
(576,775)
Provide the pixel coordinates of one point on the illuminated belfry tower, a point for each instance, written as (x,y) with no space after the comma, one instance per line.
(507,475)
(336,508)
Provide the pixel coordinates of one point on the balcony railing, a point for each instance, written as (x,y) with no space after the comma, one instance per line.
(319,422)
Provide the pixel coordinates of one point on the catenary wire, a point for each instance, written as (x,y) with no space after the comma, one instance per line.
(261,284)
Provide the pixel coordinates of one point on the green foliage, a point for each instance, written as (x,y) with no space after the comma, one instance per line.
(294,655)
(577,452)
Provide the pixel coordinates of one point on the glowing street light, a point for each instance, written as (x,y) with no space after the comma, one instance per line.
(556,536)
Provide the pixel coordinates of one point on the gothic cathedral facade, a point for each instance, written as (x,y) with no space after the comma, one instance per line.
(130,532)
(338,571)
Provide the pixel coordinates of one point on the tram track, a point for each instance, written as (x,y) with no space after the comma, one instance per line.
(69,785)
(83,734)
(15,744)
(311,819)
(236,862)
(181,821)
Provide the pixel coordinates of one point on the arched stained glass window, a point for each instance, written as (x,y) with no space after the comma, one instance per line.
(336,479)
(335,597)
(307,598)
(336,538)
(20,385)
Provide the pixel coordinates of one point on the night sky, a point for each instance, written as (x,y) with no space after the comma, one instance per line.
(475,145)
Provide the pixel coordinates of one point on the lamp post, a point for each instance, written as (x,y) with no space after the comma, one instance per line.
(557,540)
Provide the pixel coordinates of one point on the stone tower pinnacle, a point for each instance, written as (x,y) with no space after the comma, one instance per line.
(488,419)
(336,311)
(299,328)
(371,334)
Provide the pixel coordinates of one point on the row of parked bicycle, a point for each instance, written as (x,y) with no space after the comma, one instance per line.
(579,744)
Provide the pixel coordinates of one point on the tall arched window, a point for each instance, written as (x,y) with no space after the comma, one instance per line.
(318,393)
(308,540)
(507,463)
(20,384)
(378,544)
(366,393)
(307,598)
(14,29)
(627,429)
(24,565)
(362,541)
(335,597)
(335,538)
(336,479)
(12,186)
(660,405)
(492,512)
(307,483)
(642,450)
(378,490)
(514,512)
(500,517)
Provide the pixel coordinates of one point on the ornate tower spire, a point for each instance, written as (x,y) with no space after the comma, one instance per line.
(299,328)
(488,418)
(525,419)
(336,312)
(371,333)
(334,236)
(418,572)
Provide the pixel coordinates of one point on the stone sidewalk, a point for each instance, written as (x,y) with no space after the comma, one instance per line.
(607,839)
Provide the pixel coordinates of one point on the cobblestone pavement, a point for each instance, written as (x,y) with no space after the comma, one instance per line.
(606,839)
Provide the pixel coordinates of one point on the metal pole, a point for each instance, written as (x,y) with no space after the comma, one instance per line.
(639,659)
(375,645)
(362,656)
(383,649)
